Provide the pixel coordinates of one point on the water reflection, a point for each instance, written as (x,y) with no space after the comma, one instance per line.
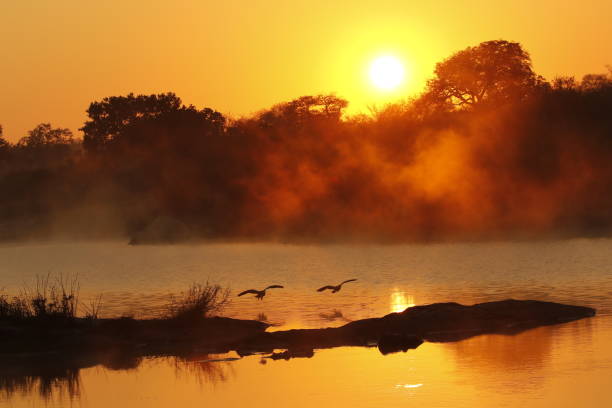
(409,385)
(527,351)
(47,377)
(334,315)
(400,301)
(481,371)
(209,369)
(566,365)
(57,377)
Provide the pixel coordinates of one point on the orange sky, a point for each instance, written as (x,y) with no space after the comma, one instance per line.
(240,56)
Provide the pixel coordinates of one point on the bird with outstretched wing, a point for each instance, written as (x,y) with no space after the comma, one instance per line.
(335,288)
(259,294)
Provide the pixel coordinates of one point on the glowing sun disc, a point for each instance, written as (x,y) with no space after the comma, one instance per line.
(386,73)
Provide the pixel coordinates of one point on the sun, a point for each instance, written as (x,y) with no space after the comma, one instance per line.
(387,73)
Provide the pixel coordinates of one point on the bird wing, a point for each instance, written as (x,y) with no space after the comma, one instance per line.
(325,287)
(350,280)
(274,286)
(253,291)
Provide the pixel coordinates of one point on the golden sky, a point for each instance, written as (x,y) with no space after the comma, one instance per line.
(240,56)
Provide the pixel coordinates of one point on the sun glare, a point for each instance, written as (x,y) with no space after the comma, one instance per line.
(387,73)
(400,301)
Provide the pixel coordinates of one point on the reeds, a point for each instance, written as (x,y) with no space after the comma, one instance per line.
(53,297)
(13,308)
(93,308)
(197,302)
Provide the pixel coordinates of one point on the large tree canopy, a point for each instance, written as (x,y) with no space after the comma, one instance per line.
(111,116)
(185,129)
(494,71)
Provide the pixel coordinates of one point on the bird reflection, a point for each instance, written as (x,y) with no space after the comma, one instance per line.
(333,315)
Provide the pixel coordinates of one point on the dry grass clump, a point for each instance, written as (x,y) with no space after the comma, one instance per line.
(51,298)
(198,302)
(93,308)
(54,298)
(13,308)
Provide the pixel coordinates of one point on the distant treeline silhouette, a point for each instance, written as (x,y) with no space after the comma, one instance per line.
(488,150)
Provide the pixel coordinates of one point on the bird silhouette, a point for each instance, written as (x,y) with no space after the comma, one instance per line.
(336,288)
(259,294)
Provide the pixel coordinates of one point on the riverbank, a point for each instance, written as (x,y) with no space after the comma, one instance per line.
(393,332)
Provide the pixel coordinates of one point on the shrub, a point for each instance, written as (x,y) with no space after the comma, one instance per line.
(197,302)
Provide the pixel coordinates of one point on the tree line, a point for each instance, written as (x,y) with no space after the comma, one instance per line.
(490,149)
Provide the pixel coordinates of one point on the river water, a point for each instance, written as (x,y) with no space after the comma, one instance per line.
(568,365)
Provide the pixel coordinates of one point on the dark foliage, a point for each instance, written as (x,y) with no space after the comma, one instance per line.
(494,72)
(489,150)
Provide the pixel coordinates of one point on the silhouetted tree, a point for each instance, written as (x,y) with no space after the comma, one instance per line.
(184,128)
(304,110)
(492,71)
(5,146)
(44,135)
(533,158)
(109,117)
(564,83)
(182,158)
(595,82)
(3,143)
(44,147)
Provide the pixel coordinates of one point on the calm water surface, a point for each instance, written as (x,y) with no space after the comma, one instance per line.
(567,365)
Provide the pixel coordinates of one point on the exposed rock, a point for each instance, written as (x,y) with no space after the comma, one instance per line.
(435,322)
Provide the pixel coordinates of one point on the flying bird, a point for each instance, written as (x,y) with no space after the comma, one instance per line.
(336,288)
(259,294)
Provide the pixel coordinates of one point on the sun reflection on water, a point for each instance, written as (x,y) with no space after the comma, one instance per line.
(408,385)
(400,301)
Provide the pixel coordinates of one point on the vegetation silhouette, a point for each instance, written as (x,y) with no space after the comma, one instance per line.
(492,72)
(489,150)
